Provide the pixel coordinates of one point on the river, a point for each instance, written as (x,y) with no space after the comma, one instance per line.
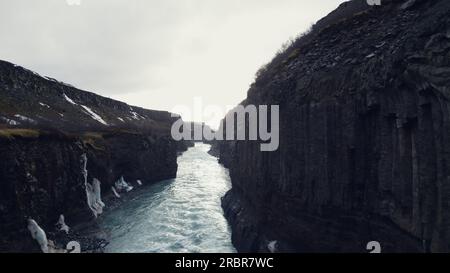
(182,215)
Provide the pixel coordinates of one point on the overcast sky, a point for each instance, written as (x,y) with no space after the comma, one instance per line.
(154,53)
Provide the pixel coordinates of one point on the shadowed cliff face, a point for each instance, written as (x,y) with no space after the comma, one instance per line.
(45,129)
(364,139)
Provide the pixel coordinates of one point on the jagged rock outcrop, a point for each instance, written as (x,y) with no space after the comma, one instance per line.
(47,130)
(364,138)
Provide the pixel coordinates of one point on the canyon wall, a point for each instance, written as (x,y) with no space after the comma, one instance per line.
(47,129)
(364,138)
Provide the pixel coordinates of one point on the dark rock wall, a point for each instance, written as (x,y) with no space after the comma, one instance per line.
(364,140)
(136,157)
(43,178)
(40,178)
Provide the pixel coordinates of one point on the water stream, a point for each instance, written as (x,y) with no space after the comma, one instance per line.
(176,216)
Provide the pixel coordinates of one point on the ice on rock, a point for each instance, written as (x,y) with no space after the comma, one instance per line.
(95,207)
(272,246)
(115,192)
(38,234)
(93,192)
(121,185)
(90,198)
(84,170)
(98,192)
(62,224)
(94,197)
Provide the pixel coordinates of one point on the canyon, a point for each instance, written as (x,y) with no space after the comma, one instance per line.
(362,158)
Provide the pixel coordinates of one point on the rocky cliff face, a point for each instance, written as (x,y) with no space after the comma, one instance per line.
(364,138)
(49,133)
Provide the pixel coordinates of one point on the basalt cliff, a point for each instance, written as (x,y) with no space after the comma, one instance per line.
(364,149)
(63,149)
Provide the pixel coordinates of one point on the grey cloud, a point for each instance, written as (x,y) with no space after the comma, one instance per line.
(156,53)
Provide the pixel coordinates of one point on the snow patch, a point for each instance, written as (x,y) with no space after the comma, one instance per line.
(121,119)
(38,234)
(380,45)
(69,99)
(44,105)
(24,118)
(61,224)
(94,115)
(136,116)
(10,121)
(139,182)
